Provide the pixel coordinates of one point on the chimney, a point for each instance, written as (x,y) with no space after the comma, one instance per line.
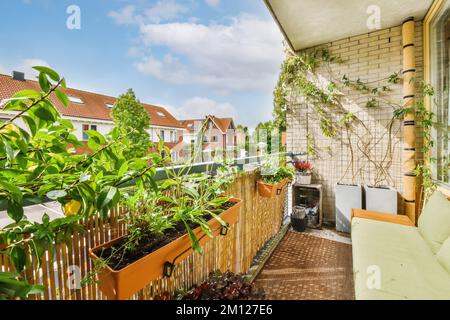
(20,76)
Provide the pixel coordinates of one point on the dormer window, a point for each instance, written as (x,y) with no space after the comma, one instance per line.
(159,113)
(110,105)
(75,100)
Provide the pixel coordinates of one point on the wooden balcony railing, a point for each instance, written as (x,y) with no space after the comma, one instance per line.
(259,220)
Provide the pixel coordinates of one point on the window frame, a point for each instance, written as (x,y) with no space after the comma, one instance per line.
(437,10)
(84,136)
(75,99)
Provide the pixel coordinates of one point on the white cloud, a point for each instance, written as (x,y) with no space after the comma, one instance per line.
(243,55)
(27,65)
(213,3)
(124,16)
(163,10)
(169,68)
(199,107)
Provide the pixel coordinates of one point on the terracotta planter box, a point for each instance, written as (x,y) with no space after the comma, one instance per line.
(266,190)
(122,284)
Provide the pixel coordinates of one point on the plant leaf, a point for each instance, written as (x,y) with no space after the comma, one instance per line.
(18,257)
(62,97)
(56,194)
(50,72)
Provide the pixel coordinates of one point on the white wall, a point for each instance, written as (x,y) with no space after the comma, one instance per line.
(102,128)
(155,134)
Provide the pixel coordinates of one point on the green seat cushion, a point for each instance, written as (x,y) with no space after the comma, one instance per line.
(443,255)
(434,222)
(408,268)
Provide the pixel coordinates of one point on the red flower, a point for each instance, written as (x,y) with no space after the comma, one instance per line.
(302,165)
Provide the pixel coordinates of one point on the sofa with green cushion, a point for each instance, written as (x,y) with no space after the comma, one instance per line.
(398,261)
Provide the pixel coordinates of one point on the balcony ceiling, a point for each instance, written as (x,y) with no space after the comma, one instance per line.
(307,23)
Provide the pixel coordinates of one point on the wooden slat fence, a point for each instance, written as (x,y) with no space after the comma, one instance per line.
(63,265)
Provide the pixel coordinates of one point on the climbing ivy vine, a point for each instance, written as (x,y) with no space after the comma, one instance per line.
(300,77)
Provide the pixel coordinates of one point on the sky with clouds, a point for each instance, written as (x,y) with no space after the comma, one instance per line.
(194,57)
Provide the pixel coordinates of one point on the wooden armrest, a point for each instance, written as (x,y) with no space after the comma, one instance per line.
(385,217)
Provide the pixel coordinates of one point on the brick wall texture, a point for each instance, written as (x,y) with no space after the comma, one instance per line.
(369,57)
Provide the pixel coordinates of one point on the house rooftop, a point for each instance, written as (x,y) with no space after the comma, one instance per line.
(223,124)
(88,105)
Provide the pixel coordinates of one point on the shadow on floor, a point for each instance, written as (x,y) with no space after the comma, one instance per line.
(308,267)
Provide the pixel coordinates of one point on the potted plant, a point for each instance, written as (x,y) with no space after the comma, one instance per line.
(273,180)
(162,231)
(304,171)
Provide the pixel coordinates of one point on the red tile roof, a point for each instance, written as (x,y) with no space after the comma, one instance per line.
(221,123)
(93,106)
(189,124)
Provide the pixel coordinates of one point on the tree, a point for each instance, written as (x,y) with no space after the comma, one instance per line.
(280,106)
(129,115)
(244,130)
(265,131)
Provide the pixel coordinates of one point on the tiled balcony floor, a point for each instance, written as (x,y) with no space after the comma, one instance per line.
(308,267)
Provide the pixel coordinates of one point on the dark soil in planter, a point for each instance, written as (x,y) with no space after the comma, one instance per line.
(118,259)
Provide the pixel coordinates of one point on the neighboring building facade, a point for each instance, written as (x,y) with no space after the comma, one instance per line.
(219,134)
(92,111)
(418,47)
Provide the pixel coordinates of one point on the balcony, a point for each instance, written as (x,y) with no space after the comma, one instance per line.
(364,215)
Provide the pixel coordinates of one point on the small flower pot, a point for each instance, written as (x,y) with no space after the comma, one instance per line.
(303,178)
(266,190)
(122,284)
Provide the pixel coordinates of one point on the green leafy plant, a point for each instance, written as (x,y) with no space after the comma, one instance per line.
(425,120)
(302,74)
(38,164)
(273,173)
(222,286)
(176,206)
(12,286)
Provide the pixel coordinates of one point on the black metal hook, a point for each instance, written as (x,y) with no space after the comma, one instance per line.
(169,267)
(224,230)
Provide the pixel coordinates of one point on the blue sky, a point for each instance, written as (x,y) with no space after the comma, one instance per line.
(195,57)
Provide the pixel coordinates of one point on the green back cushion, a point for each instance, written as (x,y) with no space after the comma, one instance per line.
(443,255)
(434,222)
